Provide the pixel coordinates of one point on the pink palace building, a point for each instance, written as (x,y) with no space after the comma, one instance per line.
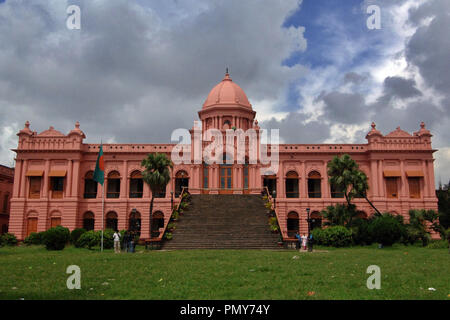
(53,175)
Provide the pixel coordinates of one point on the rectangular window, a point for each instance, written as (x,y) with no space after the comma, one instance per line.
(35,187)
(205,178)
(414,188)
(57,187)
(391,188)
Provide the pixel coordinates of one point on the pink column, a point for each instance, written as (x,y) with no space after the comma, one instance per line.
(325,184)
(403,180)
(76,175)
(426,179)
(23,179)
(124,183)
(431,175)
(380,178)
(46,178)
(373,178)
(303,180)
(17,177)
(68,191)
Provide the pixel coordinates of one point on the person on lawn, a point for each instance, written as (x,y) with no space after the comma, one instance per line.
(304,241)
(116,237)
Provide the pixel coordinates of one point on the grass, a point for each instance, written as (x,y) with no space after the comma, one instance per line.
(406,273)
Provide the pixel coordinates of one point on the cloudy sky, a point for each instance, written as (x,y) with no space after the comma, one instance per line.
(138,69)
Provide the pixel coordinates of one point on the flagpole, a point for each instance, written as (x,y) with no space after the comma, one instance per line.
(103,213)
(103,206)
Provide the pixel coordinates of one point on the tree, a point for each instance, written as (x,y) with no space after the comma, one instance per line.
(443,195)
(157,175)
(339,215)
(418,224)
(344,175)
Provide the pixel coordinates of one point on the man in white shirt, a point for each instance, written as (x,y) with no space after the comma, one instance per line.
(116,237)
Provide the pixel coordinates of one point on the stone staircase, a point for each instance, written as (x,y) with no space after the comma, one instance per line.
(223,222)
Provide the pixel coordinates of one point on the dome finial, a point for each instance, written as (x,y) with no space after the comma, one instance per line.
(226,72)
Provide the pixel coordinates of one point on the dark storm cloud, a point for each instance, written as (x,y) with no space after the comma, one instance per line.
(354,78)
(344,108)
(294,129)
(131,74)
(400,87)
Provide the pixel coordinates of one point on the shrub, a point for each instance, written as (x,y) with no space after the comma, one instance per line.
(438,244)
(75,235)
(360,232)
(8,239)
(56,238)
(386,229)
(89,240)
(108,240)
(168,235)
(34,238)
(335,236)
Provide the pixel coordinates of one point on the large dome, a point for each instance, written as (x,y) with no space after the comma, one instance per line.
(227,93)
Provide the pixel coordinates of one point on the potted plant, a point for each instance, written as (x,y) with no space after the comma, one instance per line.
(175,215)
(280,241)
(171,227)
(168,236)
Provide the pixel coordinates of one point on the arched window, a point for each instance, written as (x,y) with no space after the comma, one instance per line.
(316,220)
(157,223)
(113,185)
(314,185)
(227,124)
(90,186)
(111,220)
(270,181)
(292,224)
(136,185)
(134,222)
(292,185)
(181,180)
(88,221)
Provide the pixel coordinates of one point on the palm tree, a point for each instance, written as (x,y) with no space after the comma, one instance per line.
(344,175)
(157,175)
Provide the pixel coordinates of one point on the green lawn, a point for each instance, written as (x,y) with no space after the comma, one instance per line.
(406,273)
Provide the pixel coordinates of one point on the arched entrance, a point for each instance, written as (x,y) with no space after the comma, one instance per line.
(226,176)
(181,180)
(270,181)
(292,224)
(157,223)
(111,220)
(134,222)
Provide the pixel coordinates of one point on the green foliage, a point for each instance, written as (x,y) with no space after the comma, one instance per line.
(273,224)
(334,236)
(168,235)
(34,238)
(89,240)
(443,196)
(268,205)
(156,173)
(386,229)
(175,215)
(75,235)
(56,238)
(339,215)
(8,239)
(360,231)
(108,239)
(171,226)
(438,244)
(417,226)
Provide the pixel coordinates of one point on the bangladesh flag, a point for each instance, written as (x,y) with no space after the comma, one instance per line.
(99,173)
